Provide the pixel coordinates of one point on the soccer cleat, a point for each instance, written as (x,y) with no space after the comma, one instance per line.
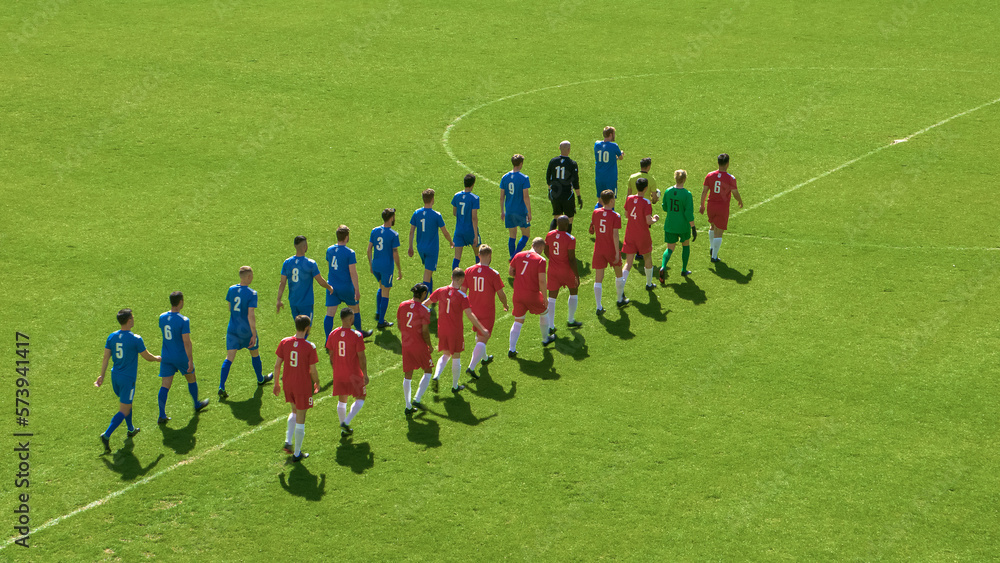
(267,378)
(686,273)
(410,411)
(487,360)
(107,444)
(511,354)
(162,420)
(471,373)
(650,286)
(623,303)
(457,389)
(418,405)
(133,432)
(663,277)
(549,341)
(552,330)
(574,324)
(716,260)
(288,448)
(600,311)
(345,430)
(223,395)
(384,325)
(366,333)
(434,384)
(200,406)
(300,457)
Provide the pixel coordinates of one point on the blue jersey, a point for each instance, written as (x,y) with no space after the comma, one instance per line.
(174,326)
(465,203)
(513,185)
(384,240)
(340,259)
(606,156)
(125,349)
(241,298)
(427,221)
(301,272)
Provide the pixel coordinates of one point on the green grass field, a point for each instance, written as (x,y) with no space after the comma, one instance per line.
(828,393)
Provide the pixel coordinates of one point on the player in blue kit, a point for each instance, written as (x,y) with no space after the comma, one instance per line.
(425,224)
(299,272)
(606,157)
(242,330)
(465,207)
(384,243)
(343,276)
(177,355)
(516,210)
(123,348)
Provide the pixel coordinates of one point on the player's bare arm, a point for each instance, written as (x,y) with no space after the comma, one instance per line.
(413,230)
(314,375)
(281,291)
(541,281)
(149,357)
(503,299)
(104,368)
(475,224)
(369,254)
(252,318)
(614,235)
(363,362)
(527,204)
(425,332)
(704,194)
(189,349)
(447,237)
(739,200)
(572,264)
(510,270)
(323,283)
(475,322)
(650,219)
(399,268)
(354,280)
(277,376)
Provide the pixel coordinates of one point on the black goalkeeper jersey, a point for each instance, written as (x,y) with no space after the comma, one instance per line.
(563,176)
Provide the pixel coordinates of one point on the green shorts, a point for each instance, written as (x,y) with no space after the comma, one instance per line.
(673,238)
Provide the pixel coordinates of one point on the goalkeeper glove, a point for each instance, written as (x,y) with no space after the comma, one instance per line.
(579,201)
(694,234)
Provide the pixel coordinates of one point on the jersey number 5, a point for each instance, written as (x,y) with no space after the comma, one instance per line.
(118,350)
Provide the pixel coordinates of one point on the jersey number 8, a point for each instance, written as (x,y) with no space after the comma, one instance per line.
(295,275)
(342,349)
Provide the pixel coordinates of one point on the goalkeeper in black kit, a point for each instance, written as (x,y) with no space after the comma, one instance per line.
(563,179)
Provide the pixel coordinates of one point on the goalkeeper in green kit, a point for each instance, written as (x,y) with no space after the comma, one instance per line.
(679,205)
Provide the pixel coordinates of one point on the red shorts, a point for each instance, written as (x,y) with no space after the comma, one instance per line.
(602,261)
(416,359)
(536,305)
(453,343)
(718,215)
(299,394)
(638,246)
(354,387)
(487,320)
(559,277)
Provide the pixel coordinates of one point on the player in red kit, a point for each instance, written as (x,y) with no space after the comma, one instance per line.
(298,356)
(560,249)
(719,187)
(605,224)
(350,369)
(414,321)
(483,286)
(528,271)
(639,211)
(452,304)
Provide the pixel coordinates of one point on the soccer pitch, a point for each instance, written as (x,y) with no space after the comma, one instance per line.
(827,392)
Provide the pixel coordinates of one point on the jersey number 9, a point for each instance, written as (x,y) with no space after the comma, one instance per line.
(293,359)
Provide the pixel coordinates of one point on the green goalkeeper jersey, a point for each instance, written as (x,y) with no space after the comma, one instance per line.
(679,205)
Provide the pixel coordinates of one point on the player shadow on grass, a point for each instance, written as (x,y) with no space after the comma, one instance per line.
(126,464)
(486,388)
(574,347)
(249,410)
(542,370)
(622,328)
(181,440)
(727,273)
(387,340)
(652,309)
(689,291)
(302,483)
(422,430)
(456,408)
(357,457)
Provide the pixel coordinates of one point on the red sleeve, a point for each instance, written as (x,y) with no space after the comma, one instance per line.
(572,243)
(280,352)
(329,340)
(436,296)
(313,356)
(707,182)
(496,282)
(360,343)
(541,264)
(464,301)
(617,222)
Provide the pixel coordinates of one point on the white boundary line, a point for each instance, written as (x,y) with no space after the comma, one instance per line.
(867,245)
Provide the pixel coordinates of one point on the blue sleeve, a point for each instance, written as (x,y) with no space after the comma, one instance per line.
(313,269)
(413,219)
(395,240)
(371,237)
(329,254)
(351,258)
(140,346)
(107,343)
(229,297)
(475,203)
(456,199)
(286,269)
(186,326)
(252,302)
(440,220)
(618,151)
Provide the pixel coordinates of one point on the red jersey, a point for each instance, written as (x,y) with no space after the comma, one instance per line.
(720,187)
(637,208)
(412,317)
(527,265)
(560,243)
(344,345)
(482,284)
(604,222)
(452,303)
(298,355)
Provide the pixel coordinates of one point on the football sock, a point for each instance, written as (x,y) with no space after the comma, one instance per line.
(477,259)
(422,388)
(161,398)
(357,321)
(116,421)
(552,312)
(478,353)
(666,258)
(649,276)
(597,295)
(456,371)
(430,286)
(543,324)
(442,362)
(355,408)
(291,428)
(515,333)
(685,254)
(625,275)
(224,375)
(521,243)
(193,389)
(258,367)
(716,243)
(128,421)
(455,262)
(569,229)
(620,286)
(378,305)
(406,392)
(342,412)
(552,225)
(573,301)
(328,325)
(511,242)
(300,433)
(385,308)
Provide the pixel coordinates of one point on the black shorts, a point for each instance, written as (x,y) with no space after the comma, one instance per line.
(565,207)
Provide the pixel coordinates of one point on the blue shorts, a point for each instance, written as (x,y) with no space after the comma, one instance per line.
(383,275)
(340,295)
(603,184)
(512,221)
(466,238)
(169,367)
(429,258)
(296,311)
(237,342)
(125,390)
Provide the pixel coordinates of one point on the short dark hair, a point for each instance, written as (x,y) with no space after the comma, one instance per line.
(124,315)
(608,131)
(607,196)
(342,233)
(176,298)
(302,322)
(641,184)
(470,180)
(388,213)
(517,159)
(646,162)
(345,312)
(418,290)
(457,274)
(299,240)
(427,195)
(723,159)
